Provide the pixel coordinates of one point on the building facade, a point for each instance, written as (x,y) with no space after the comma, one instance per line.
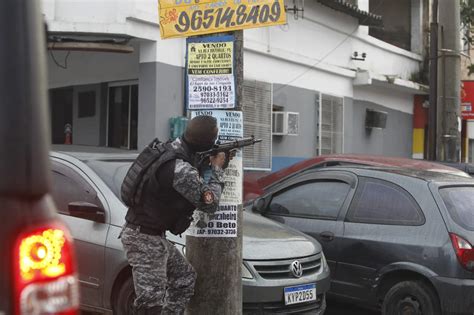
(332,80)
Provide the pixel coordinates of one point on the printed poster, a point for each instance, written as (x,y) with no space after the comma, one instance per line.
(210,73)
(224,222)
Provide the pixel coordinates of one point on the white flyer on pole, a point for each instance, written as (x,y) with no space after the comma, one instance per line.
(224,222)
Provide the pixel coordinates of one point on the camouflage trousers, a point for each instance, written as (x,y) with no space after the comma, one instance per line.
(161,275)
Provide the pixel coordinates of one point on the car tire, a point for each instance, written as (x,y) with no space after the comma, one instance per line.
(124,298)
(411,297)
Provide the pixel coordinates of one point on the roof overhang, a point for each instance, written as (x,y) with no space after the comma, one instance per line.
(367,78)
(364,17)
(87,42)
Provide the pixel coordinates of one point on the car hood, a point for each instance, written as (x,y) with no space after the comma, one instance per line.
(264,239)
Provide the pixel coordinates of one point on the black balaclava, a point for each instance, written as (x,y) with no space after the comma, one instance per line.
(201,133)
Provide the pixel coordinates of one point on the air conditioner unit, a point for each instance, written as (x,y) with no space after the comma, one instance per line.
(375,119)
(285,123)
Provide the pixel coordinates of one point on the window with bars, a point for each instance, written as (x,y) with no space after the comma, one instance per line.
(257,107)
(330,124)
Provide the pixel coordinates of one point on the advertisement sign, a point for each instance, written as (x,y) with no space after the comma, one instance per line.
(210,73)
(183,18)
(467,100)
(224,222)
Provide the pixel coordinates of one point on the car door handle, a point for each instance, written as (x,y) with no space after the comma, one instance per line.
(327,236)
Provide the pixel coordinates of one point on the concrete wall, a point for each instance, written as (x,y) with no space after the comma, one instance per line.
(394,140)
(161,96)
(302,101)
(301,59)
(86,130)
(312,53)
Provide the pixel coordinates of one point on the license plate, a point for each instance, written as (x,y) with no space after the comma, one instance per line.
(300,294)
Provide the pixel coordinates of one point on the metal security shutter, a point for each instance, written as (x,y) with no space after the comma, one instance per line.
(257,107)
(331,115)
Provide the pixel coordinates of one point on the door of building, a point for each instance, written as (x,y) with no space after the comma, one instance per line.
(61,100)
(122,115)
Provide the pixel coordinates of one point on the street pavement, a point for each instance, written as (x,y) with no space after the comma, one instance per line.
(334,308)
(339,308)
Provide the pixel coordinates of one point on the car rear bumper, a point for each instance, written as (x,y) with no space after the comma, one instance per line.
(456,295)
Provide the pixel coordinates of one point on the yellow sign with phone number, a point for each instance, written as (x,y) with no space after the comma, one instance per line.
(183,18)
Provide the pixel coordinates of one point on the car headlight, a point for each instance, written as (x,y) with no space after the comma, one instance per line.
(246,274)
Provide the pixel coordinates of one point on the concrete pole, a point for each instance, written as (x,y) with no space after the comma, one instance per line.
(434,27)
(449,136)
(218,261)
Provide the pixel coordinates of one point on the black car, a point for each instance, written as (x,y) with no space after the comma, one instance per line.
(395,239)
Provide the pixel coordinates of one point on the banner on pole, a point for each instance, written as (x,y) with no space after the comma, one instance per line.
(183,18)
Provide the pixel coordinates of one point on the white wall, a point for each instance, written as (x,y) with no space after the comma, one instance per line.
(387,97)
(328,34)
(313,53)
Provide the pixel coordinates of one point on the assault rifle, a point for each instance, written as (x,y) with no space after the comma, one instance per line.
(228,147)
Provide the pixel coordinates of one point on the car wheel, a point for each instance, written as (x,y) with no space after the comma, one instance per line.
(123,301)
(411,298)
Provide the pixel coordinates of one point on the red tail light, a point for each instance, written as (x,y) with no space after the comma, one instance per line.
(464,251)
(45,272)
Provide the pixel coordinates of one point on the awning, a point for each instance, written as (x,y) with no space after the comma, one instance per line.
(364,17)
(367,78)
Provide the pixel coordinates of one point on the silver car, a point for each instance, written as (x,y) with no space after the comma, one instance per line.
(278,262)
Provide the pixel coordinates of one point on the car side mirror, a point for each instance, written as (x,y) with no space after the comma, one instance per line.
(260,205)
(86,210)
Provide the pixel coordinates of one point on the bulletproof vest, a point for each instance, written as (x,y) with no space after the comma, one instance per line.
(161,207)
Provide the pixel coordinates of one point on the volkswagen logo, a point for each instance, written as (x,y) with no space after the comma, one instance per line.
(296,269)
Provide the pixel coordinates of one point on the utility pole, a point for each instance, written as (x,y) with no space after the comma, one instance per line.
(218,260)
(434,27)
(449,136)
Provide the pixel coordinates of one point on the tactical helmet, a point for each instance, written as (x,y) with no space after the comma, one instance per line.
(201,133)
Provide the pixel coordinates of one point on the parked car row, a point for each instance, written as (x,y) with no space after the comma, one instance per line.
(86,187)
(386,233)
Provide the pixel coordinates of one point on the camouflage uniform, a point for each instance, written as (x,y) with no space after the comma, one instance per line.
(163,279)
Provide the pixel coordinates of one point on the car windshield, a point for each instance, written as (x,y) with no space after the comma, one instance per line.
(460,204)
(112,172)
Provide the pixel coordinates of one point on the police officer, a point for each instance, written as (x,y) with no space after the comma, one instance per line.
(163,279)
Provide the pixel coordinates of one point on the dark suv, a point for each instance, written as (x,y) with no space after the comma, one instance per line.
(396,239)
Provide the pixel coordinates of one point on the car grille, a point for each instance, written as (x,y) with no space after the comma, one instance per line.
(280,307)
(280,269)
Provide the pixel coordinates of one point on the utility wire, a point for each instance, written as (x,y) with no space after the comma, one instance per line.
(328,54)
(56,62)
